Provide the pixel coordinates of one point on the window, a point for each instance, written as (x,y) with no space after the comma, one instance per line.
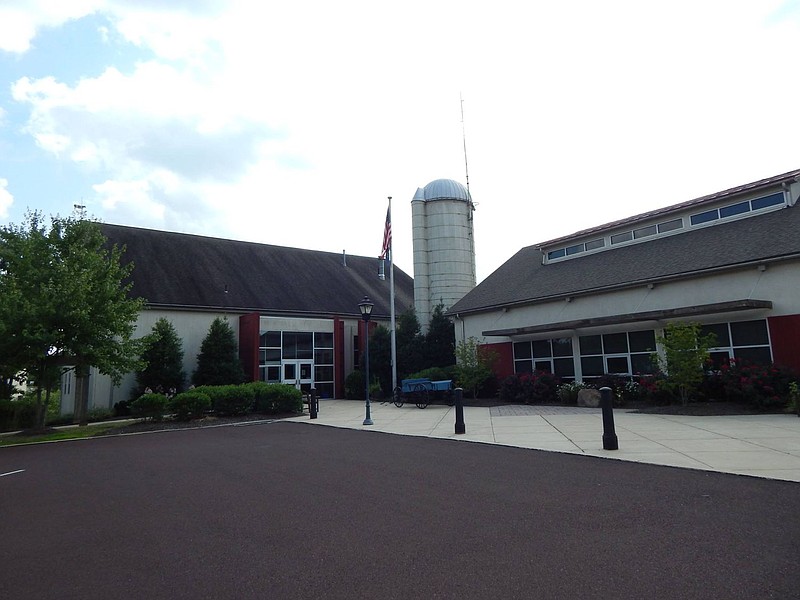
(270,356)
(298,344)
(705,217)
(734,209)
(622,237)
(574,249)
(670,225)
(771,200)
(644,232)
(749,333)
(553,356)
(595,244)
(625,353)
(743,340)
(556,254)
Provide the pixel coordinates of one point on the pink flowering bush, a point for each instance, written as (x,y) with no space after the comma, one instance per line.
(538,387)
(765,386)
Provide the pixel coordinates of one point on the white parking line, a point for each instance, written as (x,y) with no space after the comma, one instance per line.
(12,472)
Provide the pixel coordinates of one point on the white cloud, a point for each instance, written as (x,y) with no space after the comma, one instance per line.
(6,199)
(290,123)
(22,20)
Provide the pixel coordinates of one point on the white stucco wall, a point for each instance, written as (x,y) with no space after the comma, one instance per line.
(192,328)
(778,283)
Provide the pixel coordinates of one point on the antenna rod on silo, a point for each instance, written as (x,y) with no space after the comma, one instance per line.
(464,137)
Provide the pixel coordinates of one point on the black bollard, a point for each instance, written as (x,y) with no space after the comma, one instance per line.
(459,402)
(312,403)
(609,435)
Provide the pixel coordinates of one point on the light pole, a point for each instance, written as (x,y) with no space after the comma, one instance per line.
(365,306)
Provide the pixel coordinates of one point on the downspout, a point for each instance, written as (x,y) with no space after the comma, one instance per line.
(463,332)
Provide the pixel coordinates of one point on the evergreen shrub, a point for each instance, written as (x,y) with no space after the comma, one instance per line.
(354,386)
(150,406)
(189,405)
(435,373)
(228,400)
(276,398)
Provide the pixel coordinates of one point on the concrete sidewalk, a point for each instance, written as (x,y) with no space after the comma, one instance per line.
(761,445)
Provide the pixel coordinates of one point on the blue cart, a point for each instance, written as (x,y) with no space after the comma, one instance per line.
(419,391)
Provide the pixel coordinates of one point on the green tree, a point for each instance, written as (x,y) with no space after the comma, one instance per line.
(440,341)
(410,344)
(218,362)
(162,356)
(64,300)
(473,365)
(685,352)
(380,358)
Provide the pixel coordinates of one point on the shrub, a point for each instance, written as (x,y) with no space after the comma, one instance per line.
(275,398)
(623,388)
(8,415)
(539,387)
(149,406)
(568,392)
(354,386)
(794,398)
(122,408)
(513,389)
(229,399)
(189,405)
(763,386)
(100,414)
(20,413)
(435,373)
(657,389)
(262,398)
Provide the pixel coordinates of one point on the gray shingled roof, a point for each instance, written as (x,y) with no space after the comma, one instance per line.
(524,279)
(773,181)
(192,271)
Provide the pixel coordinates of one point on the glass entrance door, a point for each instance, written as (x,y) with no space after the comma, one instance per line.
(298,373)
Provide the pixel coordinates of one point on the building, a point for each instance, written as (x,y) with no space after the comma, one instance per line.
(295,311)
(594,302)
(443,244)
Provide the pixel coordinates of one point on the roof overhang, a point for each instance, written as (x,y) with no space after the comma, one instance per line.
(622,319)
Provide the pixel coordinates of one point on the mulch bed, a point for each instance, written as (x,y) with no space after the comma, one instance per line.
(702,409)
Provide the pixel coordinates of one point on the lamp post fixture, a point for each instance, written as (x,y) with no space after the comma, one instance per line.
(365,306)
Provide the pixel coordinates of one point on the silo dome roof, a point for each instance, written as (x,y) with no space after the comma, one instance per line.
(443,189)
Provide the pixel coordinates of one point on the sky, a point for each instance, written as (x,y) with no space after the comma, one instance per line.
(291,123)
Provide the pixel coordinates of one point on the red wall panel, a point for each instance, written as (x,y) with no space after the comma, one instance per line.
(784,333)
(338,357)
(504,366)
(249,331)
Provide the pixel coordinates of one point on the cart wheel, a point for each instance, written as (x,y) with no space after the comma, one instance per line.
(397,396)
(421,396)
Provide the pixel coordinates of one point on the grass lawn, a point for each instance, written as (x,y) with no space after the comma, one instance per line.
(68,433)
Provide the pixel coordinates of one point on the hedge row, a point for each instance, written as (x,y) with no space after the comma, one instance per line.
(222,400)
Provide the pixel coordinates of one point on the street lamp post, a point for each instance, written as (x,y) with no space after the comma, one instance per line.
(365,306)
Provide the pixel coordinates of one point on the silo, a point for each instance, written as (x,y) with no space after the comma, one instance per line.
(444,246)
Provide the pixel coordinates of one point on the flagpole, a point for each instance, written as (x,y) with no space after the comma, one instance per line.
(391,303)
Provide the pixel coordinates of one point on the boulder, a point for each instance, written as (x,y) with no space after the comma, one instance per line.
(589,397)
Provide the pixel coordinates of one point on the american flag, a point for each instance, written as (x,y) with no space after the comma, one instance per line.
(387,234)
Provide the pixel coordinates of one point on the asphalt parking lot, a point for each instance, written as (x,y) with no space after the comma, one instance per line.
(291,510)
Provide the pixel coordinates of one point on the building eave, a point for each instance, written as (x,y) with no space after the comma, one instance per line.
(578,293)
(622,319)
